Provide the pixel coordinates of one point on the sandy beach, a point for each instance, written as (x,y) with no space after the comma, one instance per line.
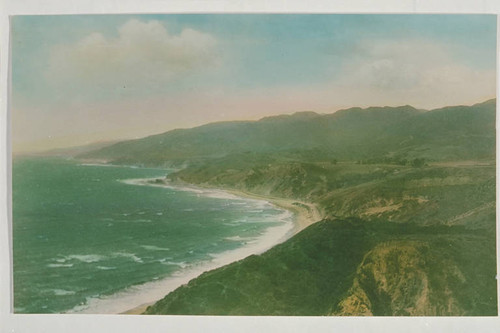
(304,215)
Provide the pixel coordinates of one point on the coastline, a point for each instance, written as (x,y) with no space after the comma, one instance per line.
(303,215)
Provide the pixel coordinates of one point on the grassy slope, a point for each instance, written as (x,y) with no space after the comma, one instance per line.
(328,269)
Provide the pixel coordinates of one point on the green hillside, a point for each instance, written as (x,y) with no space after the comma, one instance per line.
(350,267)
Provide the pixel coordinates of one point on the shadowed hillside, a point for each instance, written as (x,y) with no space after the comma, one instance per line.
(350,267)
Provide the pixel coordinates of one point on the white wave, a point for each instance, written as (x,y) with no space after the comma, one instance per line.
(181,264)
(238,203)
(117,166)
(59,265)
(106,268)
(138,181)
(218,194)
(155,248)
(128,255)
(97,165)
(282,216)
(87,258)
(165,259)
(254,205)
(147,182)
(62,292)
(84,305)
(211,193)
(188,189)
(238,239)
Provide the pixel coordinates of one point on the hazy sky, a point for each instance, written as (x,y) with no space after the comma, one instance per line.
(80,79)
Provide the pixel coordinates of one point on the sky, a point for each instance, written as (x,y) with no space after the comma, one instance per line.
(78,79)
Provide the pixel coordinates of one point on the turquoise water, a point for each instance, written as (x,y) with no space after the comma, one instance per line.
(83,232)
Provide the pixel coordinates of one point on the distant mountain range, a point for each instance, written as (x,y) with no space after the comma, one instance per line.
(70,151)
(450,133)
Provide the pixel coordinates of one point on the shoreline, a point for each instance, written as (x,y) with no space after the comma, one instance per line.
(303,215)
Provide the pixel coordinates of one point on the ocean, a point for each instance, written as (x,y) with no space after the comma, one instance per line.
(101,239)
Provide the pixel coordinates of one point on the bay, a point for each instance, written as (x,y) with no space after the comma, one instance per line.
(83,232)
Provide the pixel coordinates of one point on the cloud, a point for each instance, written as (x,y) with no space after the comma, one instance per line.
(147,80)
(420,72)
(144,56)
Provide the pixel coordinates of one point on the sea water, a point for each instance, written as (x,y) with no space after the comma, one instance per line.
(88,235)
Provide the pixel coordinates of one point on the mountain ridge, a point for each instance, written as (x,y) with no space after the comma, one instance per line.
(347,133)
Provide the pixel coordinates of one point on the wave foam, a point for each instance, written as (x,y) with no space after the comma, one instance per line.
(87,258)
(106,268)
(181,264)
(128,255)
(59,265)
(238,239)
(155,248)
(62,292)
